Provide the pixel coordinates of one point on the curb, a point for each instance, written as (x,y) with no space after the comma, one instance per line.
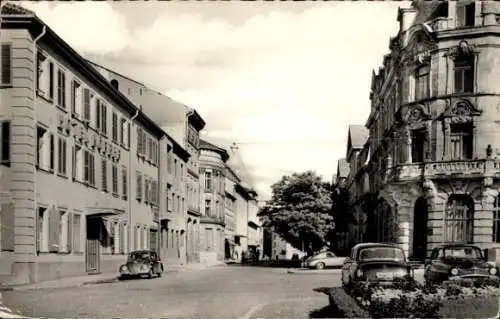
(313,271)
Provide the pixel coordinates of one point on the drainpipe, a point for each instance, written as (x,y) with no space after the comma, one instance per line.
(130,200)
(158,231)
(35,51)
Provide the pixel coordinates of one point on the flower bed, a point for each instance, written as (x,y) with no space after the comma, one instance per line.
(409,299)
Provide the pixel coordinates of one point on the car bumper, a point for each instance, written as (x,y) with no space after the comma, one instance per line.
(126,273)
(473,277)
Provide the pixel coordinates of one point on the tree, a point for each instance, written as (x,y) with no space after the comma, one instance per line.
(300,210)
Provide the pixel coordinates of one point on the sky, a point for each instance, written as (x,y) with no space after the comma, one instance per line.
(281,79)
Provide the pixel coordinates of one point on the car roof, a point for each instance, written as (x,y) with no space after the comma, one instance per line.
(366,245)
(141,251)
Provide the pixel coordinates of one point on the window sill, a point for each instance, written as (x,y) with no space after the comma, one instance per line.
(5,163)
(116,195)
(46,99)
(124,197)
(62,175)
(6,86)
(63,108)
(45,170)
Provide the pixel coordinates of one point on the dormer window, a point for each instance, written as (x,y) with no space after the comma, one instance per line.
(114,83)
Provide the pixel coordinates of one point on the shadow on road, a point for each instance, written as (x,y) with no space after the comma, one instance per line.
(329,311)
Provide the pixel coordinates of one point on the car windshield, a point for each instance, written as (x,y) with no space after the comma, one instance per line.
(463,252)
(138,255)
(376,253)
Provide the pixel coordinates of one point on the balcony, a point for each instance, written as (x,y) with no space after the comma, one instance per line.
(447,169)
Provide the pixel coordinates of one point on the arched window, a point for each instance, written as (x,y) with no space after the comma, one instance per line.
(496,220)
(458,219)
(114,83)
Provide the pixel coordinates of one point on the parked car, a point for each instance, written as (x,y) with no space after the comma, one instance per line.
(375,262)
(457,261)
(324,259)
(141,263)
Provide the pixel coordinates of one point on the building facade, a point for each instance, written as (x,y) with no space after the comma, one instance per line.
(213,171)
(231,180)
(70,151)
(434,153)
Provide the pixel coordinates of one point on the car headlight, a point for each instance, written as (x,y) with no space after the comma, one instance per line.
(493,271)
(123,268)
(359,273)
(454,271)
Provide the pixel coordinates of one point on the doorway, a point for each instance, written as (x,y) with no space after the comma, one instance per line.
(420,217)
(93,253)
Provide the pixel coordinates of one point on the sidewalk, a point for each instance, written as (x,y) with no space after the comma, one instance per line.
(100,278)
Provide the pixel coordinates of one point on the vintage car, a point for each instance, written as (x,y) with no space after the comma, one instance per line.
(324,259)
(457,261)
(141,263)
(375,263)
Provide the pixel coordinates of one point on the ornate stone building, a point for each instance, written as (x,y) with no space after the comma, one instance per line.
(433,129)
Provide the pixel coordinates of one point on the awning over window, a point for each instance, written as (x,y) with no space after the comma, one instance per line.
(253,224)
(103,211)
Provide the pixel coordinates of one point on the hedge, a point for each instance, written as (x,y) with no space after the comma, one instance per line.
(409,299)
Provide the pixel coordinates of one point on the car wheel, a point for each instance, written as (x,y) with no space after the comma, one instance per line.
(320,266)
(159,273)
(150,274)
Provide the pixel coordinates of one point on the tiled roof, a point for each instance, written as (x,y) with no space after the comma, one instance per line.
(342,168)
(205,145)
(358,135)
(11,9)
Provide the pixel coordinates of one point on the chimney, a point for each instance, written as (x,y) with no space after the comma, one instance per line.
(406,17)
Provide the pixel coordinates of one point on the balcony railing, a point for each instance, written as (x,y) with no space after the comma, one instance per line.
(487,167)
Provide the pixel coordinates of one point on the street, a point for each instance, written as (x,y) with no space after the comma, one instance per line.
(229,292)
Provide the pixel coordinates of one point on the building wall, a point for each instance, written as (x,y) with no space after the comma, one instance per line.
(212,180)
(53,200)
(241,232)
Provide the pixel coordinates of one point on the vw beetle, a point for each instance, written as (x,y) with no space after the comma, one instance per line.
(456,262)
(141,263)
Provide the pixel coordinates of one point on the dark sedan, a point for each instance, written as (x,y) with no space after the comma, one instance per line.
(141,263)
(455,262)
(375,263)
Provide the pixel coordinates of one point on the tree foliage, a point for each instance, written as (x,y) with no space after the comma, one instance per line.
(300,210)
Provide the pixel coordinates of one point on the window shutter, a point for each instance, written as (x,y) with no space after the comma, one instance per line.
(98,114)
(73,163)
(128,134)
(104,124)
(69,241)
(73,94)
(139,186)
(6,75)
(52,151)
(104,174)
(51,80)
(114,124)
(5,142)
(86,104)
(54,220)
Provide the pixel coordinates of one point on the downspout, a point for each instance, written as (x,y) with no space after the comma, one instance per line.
(35,86)
(130,200)
(158,185)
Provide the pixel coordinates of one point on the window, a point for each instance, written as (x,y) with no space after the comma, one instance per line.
(124,183)
(422,82)
(459,219)
(170,162)
(417,145)
(140,146)
(43,230)
(466,14)
(61,88)
(154,193)
(5,139)
(62,156)
(6,66)
(98,114)
(464,74)
(208,208)
(496,220)
(45,77)
(101,116)
(104,172)
(114,177)
(87,97)
(45,149)
(76,99)
(139,186)
(114,129)
(77,163)
(114,83)
(76,233)
(461,141)
(122,239)
(208,181)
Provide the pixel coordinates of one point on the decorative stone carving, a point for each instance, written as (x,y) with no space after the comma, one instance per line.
(462,49)
(459,186)
(461,112)
(430,189)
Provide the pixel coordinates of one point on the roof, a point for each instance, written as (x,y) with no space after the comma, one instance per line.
(178,149)
(356,138)
(113,71)
(343,168)
(195,119)
(205,145)
(16,17)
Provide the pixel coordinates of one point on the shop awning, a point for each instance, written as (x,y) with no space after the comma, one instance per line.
(103,211)
(253,224)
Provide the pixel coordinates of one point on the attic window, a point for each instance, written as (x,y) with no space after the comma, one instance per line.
(114,83)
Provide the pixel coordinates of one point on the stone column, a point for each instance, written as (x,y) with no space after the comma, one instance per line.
(483,215)
(428,141)
(435,222)
(408,146)
(402,222)
(447,140)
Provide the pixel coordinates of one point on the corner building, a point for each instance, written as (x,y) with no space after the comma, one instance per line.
(433,129)
(70,202)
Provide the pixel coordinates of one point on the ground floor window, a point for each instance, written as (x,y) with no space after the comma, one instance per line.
(496,220)
(459,220)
